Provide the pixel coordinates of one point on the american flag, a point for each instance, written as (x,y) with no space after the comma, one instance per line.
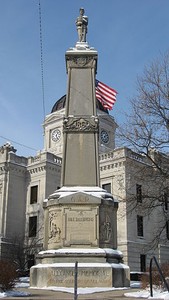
(105,94)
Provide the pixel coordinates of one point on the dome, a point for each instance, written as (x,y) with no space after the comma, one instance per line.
(60,104)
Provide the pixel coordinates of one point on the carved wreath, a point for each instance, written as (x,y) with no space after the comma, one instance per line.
(80,124)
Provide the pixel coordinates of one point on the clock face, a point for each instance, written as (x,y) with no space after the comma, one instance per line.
(56,134)
(104,136)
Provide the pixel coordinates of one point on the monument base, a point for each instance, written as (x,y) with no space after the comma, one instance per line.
(96,268)
(80,226)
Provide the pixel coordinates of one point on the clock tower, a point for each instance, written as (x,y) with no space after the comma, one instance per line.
(53,129)
(107,129)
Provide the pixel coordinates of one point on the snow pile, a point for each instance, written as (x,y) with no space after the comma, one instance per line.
(14,293)
(157,294)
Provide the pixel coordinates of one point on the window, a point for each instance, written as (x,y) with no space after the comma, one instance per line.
(30,260)
(107,187)
(139,225)
(139,193)
(165,197)
(34,194)
(167,230)
(142,262)
(32,226)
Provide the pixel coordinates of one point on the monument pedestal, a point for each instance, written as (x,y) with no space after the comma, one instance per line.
(80,225)
(51,272)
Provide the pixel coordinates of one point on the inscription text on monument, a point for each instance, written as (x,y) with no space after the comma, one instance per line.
(86,277)
(81,225)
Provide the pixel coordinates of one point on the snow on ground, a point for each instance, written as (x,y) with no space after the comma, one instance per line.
(157,294)
(24,283)
(82,290)
(14,294)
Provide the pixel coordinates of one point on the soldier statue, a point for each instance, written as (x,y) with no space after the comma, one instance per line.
(81,23)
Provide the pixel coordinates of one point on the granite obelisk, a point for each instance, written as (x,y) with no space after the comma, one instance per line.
(80,218)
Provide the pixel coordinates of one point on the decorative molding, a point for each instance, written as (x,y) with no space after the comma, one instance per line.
(53,117)
(106,156)
(55,169)
(37,169)
(112,166)
(81,61)
(81,124)
(14,168)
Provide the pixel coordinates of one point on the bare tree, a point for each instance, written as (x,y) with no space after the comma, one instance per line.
(146,131)
(148,123)
(22,249)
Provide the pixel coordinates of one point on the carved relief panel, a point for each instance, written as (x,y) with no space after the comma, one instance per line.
(107,226)
(54,229)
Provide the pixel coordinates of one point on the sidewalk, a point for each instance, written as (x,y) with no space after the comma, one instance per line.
(37,294)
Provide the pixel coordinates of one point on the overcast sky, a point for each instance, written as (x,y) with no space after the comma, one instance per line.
(128,34)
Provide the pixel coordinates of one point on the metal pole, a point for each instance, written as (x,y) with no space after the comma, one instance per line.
(75,280)
(151,280)
(161,275)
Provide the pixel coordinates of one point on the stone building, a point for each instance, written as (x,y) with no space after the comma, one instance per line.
(26,182)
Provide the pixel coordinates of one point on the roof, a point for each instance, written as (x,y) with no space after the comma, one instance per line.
(60,104)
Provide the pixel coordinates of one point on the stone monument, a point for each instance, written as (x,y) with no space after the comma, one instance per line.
(80,217)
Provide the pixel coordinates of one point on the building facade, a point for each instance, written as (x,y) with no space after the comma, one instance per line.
(26,182)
